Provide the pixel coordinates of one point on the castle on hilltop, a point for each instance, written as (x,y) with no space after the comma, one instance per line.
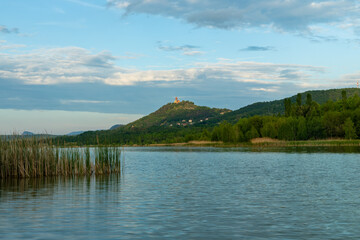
(176,100)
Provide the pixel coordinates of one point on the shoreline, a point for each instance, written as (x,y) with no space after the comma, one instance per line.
(262,142)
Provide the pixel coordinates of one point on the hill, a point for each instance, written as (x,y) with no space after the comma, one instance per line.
(277,106)
(177,114)
(116,126)
(75,133)
(172,121)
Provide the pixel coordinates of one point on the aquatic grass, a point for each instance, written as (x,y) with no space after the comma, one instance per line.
(38,157)
(107,160)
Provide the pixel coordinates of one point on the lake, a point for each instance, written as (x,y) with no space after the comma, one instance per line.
(194,193)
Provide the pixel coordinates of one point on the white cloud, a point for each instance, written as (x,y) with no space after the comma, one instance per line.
(193,53)
(351,80)
(5,46)
(247,72)
(77,65)
(57,65)
(77,101)
(286,15)
(265,89)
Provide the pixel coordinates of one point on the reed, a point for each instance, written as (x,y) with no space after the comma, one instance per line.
(39,157)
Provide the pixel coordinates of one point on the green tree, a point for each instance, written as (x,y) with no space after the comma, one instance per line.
(205,135)
(298,99)
(240,137)
(298,110)
(227,132)
(287,104)
(356,120)
(216,134)
(257,122)
(349,129)
(301,133)
(244,125)
(287,128)
(308,99)
(269,130)
(253,133)
(332,124)
(344,99)
(315,128)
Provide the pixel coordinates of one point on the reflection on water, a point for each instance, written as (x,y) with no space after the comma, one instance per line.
(294,149)
(193,193)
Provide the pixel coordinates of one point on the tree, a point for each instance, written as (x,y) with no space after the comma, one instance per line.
(269,130)
(257,122)
(349,129)
(244,125)
(301,133)
(332,124)
(344,99)
(299,110)
(315,128)
(205,135)
(298,99)
(240,137)
(216,135)
(356,119)
(253,133)
(227,132)
(308,99)
(287,104)
(287,128)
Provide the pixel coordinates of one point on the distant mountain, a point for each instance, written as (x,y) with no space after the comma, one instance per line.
(277,106)
(116,126)
(27,133)
(75,133)
(184,113)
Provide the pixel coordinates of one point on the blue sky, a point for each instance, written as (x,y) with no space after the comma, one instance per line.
(93,64)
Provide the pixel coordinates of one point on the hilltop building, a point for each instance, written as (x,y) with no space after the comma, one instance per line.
(176,100)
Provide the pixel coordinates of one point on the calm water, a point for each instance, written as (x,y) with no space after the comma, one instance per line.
(192,193)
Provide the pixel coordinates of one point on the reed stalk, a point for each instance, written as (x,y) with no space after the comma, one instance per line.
(38,157)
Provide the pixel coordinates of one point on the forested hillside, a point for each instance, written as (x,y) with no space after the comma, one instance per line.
(301,118)
(177,114)
(300,121)
(277,106)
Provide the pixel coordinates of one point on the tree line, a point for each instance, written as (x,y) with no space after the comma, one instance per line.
(301,121)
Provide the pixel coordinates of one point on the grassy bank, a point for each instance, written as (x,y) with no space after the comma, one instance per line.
(267,142)
(307,143)
(40,157)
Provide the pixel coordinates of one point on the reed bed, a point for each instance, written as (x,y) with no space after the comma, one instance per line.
(39,157)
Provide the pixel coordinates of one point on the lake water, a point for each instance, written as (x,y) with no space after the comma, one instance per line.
(194,193)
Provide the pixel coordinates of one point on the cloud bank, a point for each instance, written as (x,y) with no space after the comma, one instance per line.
(77,65)
(282,15)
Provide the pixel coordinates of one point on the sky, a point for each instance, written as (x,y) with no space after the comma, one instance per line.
(72,65)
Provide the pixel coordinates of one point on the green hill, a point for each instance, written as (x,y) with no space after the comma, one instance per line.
(172,121)
(277,106)
(177,114)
